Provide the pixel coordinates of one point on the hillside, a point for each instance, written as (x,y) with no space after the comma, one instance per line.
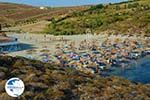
(126,17)
(17,14)
(51,82)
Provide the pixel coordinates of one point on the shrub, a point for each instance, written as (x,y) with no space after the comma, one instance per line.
(118,7)
(77,14)
(99,6)
(133,5)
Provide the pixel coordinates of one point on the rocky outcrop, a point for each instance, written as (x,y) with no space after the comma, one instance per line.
(51,82)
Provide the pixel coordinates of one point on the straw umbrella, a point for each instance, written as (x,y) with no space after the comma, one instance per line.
(31,52)
(45,50)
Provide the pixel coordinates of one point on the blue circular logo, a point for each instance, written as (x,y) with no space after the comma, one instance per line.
(14,87)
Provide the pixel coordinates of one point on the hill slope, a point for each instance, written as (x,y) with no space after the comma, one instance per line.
(125,17)
(51,82)
(17,14)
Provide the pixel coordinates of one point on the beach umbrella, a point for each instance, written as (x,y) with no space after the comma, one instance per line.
(96,52)
(44,50)
(79,65)
(92,64)
(113,51)
(29,57)
(31,51)
(72,62)
(45,59)
(44,54)
(85,65)
(39,58)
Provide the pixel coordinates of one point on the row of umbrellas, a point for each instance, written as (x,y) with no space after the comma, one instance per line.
(88,59)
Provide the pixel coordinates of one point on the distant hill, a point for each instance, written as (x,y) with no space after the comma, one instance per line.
(12,14)
(126,18)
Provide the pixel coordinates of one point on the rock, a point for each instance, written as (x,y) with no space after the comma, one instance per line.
(55,83)
(2,75)
(5,96)
(2,86)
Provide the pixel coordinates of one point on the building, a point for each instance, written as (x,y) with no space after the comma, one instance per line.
(42,8)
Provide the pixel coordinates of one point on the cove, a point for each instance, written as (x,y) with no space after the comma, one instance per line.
(139,71)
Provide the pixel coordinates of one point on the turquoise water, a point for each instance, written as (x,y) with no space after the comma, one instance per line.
(18,47)
(137,72)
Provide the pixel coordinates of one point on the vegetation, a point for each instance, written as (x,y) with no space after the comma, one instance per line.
(126,17)
(17,14)
(51,82)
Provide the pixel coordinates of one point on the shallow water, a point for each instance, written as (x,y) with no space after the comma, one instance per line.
(138,72)
(18,47)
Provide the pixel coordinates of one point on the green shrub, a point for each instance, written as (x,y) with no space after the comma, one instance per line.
(99,6)
(118,7)
(133,5)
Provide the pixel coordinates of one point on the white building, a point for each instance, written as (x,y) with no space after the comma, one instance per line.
(42,8)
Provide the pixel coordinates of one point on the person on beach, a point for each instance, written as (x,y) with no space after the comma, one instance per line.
(99,54)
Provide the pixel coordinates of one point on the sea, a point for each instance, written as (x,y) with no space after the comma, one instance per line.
(138,71)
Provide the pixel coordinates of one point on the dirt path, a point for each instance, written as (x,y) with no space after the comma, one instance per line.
(32,28)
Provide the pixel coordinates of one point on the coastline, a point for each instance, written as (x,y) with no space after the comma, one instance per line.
(135,73)
(87,53)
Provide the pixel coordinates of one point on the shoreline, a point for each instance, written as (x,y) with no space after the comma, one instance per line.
(88,52)
(133,77)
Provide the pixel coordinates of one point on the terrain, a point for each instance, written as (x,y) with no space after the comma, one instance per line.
(45,81)
(131,17)
(49,81)
(20,16)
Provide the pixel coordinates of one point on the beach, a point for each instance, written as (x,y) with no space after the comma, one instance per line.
(40,41)
(88,53)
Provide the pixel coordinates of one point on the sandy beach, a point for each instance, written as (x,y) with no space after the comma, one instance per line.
(40,41)
(44,41)
(90,53)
